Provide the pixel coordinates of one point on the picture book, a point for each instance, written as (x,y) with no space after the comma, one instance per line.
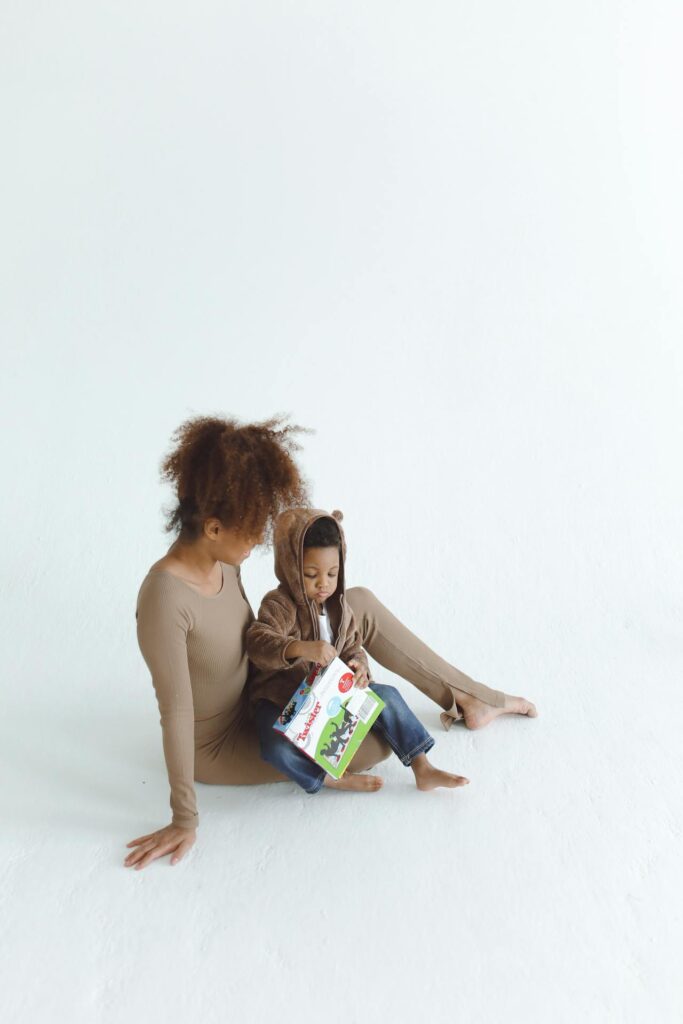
(328,717)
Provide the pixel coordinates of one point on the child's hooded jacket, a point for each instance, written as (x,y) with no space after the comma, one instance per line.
(286,614)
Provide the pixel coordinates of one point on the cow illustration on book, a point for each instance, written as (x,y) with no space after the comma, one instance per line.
(340,736)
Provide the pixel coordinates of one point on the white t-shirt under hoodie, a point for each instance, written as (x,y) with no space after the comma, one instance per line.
(325,630)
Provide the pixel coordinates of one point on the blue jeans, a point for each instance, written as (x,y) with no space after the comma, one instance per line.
(404,733)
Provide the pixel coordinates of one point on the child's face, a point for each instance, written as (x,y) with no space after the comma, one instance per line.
(321,571)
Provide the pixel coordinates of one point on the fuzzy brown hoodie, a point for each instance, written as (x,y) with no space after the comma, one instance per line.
(286,614)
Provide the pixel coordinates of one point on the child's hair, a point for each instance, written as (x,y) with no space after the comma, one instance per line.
(323,533)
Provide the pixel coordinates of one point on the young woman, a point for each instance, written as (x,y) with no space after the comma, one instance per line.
(192,613)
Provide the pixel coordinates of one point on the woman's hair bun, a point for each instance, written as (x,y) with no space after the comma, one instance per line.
(338,515)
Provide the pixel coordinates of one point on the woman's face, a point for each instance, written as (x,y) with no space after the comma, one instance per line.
(228,543)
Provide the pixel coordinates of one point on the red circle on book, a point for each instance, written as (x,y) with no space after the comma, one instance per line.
(346,682)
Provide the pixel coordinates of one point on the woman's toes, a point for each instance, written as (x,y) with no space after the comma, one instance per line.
(521,706)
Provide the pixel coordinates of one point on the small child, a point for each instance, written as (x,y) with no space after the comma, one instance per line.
(306,619)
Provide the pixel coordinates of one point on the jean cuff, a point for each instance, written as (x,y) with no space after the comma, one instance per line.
(319,783)
(422,748)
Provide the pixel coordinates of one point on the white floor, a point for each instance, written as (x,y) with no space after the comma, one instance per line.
(548,889)
(447,238)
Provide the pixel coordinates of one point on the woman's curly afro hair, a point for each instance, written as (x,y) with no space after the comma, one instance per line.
(242,474)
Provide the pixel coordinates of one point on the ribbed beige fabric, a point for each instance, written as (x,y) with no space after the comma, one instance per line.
(194,647)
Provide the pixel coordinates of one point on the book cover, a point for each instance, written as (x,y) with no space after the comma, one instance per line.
(328,717)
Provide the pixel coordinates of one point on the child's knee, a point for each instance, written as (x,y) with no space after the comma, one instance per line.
(394,700)
(387,690)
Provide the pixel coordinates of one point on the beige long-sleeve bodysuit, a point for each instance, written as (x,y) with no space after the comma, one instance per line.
(194,647)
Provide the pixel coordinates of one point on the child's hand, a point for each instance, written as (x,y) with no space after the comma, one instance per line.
(360,679)
(320,652)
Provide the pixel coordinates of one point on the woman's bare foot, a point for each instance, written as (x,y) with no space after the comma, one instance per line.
(476,714)
(429,777)
(358,783)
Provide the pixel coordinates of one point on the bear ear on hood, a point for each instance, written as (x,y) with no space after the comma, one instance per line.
(336,514)
(283,521)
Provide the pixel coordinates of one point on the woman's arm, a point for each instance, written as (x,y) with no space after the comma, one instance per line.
(162,626)
(269,636)
(238,570)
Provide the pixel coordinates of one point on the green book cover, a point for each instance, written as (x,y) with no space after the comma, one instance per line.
(328,717)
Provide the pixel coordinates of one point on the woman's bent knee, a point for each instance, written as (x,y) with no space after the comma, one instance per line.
(359,598)
(361,601)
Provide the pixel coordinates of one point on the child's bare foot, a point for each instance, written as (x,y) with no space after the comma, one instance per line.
(358,783)
(429,777)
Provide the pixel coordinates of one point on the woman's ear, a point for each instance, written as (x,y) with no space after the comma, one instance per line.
(212,528)
(337,515)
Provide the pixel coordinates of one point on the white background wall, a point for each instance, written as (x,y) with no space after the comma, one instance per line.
(447,237)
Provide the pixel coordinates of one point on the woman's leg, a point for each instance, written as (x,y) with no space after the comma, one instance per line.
(236,759)
(390,643)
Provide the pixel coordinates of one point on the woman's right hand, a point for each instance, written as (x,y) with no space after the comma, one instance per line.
(320,652)
(171,839)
